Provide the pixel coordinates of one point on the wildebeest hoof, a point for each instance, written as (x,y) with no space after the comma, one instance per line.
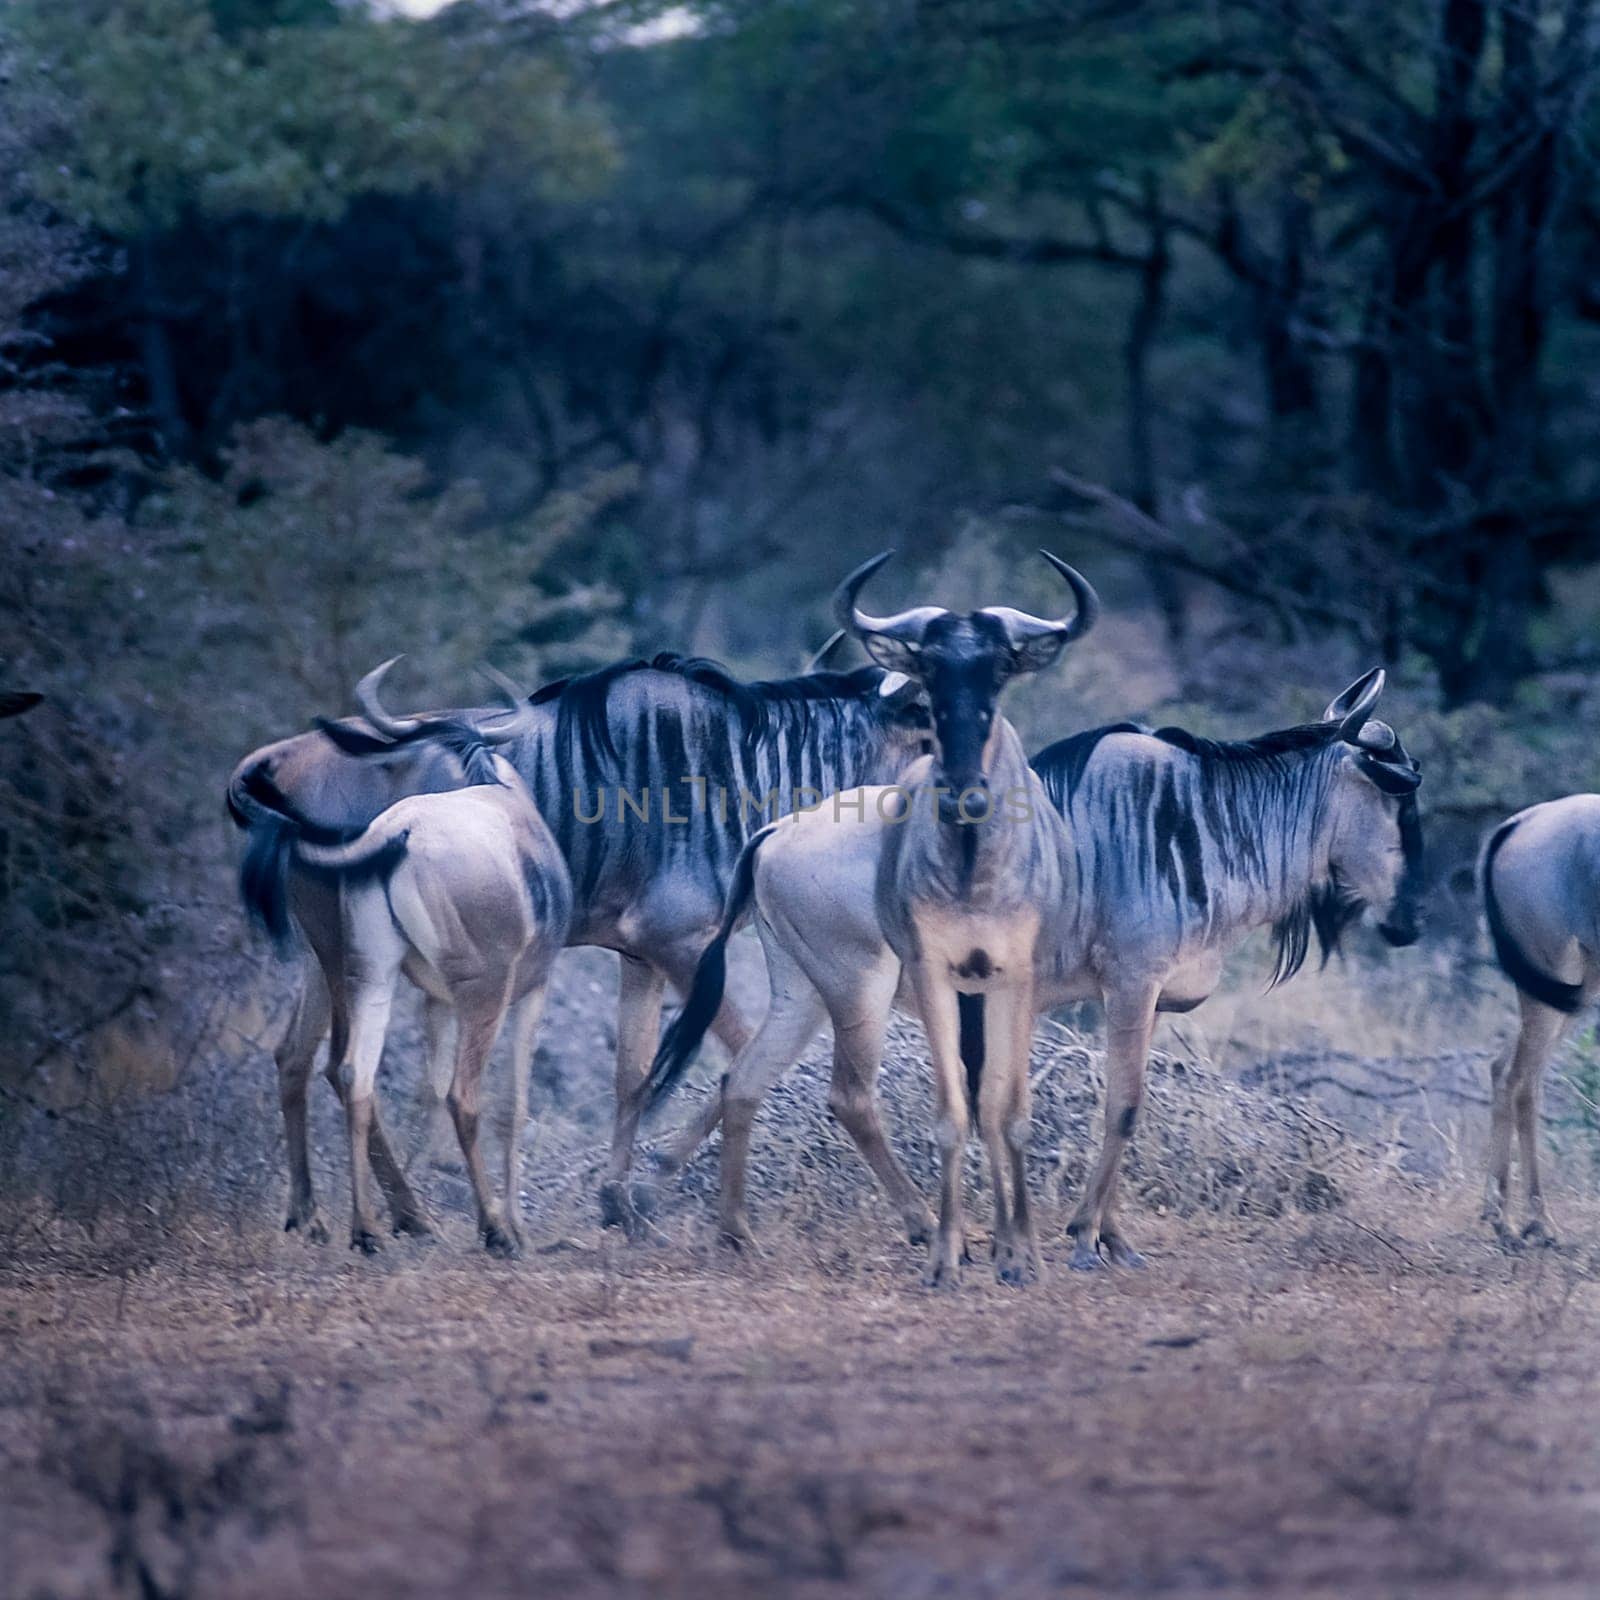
(501,1242)
(311,1225)
(364,1240)
(737,1234)
(646,1201)
(1508,1240)
(414,1225)
(1085,1254)
(920,1229)
(1015,1265)
(617,1210)
(1120,1253)
(944,1265)
(1540,1233)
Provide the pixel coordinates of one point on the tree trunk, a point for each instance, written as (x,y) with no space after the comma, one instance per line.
(1145,490)
(155,351)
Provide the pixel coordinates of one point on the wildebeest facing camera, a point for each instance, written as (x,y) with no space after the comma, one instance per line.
(1061,1061)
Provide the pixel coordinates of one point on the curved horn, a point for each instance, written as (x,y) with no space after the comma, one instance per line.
(1027,633)
(1352,706)
(14,702)
(516,702)
(367,699)
(904,627)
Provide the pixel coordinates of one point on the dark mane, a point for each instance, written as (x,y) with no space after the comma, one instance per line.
(581,700)
(1061,765)
(1281,742)
(1243,785)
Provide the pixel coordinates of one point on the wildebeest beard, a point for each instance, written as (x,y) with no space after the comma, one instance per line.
(1330,908)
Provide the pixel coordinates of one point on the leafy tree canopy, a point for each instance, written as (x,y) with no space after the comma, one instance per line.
(179,107)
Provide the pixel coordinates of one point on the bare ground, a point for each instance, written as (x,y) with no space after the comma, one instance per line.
(1338,1404)
(1328,1381)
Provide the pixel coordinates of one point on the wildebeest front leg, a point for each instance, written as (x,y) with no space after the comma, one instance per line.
(639,990)
(479,1018)
(1130,1019)
(296,1056)
(936,1001)
(1004,1109)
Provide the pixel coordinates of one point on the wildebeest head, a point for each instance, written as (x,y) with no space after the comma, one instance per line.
(402,756)
(1376,843)
(424,739)
(303,790)
(964,661)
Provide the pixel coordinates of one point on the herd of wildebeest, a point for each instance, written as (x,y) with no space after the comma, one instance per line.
(895,847)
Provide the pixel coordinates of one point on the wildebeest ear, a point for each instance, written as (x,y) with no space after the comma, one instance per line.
(1390,777)
(897,688)
(353,741)
(1362,696)
(893,655)
(1034,655)
(13,702)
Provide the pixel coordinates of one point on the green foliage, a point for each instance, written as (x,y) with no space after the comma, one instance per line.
(167,112)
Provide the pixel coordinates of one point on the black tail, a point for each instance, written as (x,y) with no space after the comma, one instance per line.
(969,1008)
(365,860)
(683,1039)
(257,804)
(264,877)
(1513,959)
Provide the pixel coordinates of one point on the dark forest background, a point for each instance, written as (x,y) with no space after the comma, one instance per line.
(549,334)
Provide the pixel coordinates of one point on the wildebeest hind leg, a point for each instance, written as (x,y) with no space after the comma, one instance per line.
(356,1075)
(858,1040)
(1498,1176)
(429,1115)
(1525,1103)
(792,1020)
(524,1029)
(1130,1017)
(733,1033)
(1516,1108)
(295,1057)
(479,1018)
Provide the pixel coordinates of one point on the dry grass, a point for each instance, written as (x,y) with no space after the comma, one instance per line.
(1328,1382)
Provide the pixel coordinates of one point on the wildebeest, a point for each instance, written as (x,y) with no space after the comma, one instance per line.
(464,892)
(975,852)
(1541,897)
(651,776)
(1178,847)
